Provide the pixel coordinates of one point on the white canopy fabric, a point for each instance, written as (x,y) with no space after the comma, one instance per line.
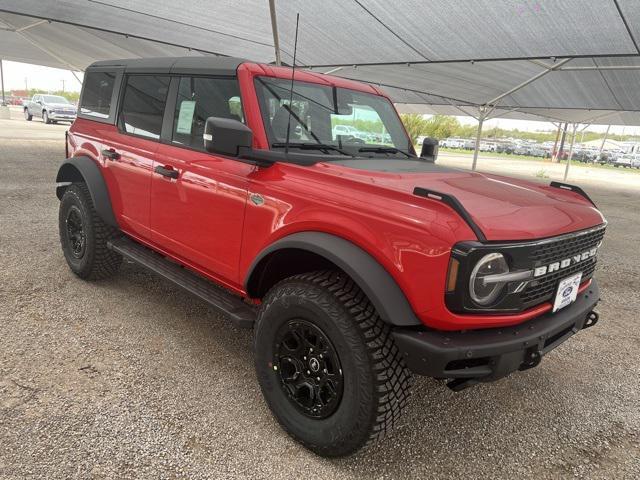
(570,60)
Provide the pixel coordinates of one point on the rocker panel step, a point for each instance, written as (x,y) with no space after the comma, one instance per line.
(242,314)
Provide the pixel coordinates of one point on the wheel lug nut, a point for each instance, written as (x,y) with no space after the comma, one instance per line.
(308,372)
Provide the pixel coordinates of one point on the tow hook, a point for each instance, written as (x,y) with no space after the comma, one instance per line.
(531,359)
(592,319)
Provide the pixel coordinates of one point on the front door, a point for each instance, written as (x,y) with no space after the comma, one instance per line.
(197,198)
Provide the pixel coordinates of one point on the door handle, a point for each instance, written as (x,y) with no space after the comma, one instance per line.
(167,171)
(111,154)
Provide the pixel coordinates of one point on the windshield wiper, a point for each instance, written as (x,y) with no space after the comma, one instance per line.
(311,146)
(384,150)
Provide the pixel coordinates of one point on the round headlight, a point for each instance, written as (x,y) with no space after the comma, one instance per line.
(485,293)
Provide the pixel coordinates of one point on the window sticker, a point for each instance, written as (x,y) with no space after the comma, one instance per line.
(185,117)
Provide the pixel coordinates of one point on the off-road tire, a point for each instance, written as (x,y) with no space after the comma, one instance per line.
(376,380)
(97,260)
(27,116)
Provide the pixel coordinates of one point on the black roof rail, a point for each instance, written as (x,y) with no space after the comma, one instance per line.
(572,188)
(455,204)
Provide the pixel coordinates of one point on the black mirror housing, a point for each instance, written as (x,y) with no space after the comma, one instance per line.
(226,136)
(429,150)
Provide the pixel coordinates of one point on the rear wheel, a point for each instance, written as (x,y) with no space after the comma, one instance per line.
(84,236)
(327,363)
(27,115)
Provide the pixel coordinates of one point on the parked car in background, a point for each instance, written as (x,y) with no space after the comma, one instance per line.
(51,108)
(625,160)
(452,143)
(488,146)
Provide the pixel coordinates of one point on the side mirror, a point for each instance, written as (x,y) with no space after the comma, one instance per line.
(226,136)
(429,150)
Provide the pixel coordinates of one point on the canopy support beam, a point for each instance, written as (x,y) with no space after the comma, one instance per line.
(274,30)
(495,100)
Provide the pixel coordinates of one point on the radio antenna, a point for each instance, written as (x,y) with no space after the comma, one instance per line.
(293,71)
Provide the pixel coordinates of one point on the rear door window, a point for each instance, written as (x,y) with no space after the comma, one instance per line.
(198,99)
(143,105)
(96,94)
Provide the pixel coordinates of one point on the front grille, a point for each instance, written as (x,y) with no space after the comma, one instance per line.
(555,250)
(543,288)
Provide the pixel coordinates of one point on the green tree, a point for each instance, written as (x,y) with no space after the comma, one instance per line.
(415,124)
(441,126)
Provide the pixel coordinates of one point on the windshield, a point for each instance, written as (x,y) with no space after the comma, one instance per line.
(54,99)
(354,122)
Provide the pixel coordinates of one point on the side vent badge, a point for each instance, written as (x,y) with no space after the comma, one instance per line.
(256,199)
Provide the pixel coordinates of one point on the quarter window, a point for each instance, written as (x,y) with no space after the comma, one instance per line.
(200,98)
(143,105)
(96,94)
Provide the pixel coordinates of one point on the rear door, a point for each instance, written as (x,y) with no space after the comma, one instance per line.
(198,215)
(128,151)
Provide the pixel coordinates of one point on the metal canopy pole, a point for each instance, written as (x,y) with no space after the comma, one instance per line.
(481,117)
(573,139)
(2,82)
(274,29)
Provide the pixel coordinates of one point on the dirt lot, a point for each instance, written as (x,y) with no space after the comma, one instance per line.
(132,378)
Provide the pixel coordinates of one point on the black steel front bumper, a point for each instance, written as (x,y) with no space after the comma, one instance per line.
(485,355)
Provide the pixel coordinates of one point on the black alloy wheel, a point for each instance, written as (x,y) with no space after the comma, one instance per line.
(309,368)
(76,235)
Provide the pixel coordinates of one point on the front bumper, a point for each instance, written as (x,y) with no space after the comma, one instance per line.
(474,356)
(62,116)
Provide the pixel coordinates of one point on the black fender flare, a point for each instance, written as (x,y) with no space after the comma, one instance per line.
(374,280)
(84,169)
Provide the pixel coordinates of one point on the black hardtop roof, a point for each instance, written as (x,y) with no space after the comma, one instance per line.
(200,65)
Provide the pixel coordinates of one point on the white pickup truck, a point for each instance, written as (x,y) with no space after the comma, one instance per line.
(51,108)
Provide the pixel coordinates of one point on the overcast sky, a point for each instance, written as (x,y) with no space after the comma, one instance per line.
(48,78)
(45,78)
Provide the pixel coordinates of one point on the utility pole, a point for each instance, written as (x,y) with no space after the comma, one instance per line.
(564,136)
(482,115)
(554,152)
(604,140)
(63,85)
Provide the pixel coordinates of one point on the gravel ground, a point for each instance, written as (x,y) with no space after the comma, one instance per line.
(132,378)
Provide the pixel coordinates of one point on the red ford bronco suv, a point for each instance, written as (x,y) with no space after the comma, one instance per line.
(356,262)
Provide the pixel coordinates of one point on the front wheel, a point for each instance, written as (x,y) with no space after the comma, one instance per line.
(45,117)
(84,236)
(327,364)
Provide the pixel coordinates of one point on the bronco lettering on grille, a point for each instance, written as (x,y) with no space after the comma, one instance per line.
(555,266)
